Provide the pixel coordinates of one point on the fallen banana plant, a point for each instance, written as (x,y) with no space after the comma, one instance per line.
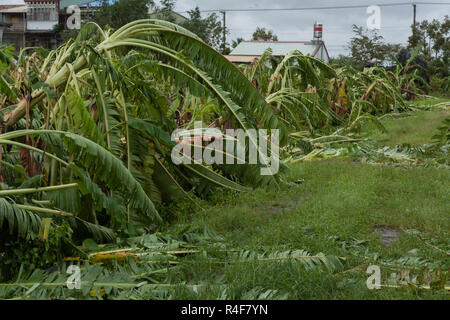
(144,269)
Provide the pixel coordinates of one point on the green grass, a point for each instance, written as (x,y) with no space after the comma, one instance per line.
(430,100)
(338,197)
(415,130)
(336,208)
(334,211)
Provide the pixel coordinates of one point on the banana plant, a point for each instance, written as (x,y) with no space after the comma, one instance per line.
(93,120)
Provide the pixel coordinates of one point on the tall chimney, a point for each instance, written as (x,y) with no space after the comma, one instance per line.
(317,32)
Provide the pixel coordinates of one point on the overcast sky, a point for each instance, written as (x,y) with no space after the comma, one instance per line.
(298,25)
(337,23)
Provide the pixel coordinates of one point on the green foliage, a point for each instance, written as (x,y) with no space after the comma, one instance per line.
(19,221)
(6,53)
(433,38)
(368,49)
(151,262)
(98,124)
(111,170)
(86,140)
(82,120)
(236,42)
(443,136)
(442,85)
(209,29)
(121,12)
(306,93)
(264,35)
(32,252)
(165,11)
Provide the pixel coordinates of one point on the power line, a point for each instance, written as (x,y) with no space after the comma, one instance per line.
(329,28)
(322,8)
(224,11)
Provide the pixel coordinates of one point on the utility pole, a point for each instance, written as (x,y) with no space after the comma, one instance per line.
(415,9)
(224,40)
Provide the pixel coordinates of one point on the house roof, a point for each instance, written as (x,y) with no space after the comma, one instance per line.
(279,48)
(68,3)
(13,8)
(241,58)
(10,6)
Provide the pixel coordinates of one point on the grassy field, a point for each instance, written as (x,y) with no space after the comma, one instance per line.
(417,129)
(363,213)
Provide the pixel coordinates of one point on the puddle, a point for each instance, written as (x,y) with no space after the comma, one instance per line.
(388,234)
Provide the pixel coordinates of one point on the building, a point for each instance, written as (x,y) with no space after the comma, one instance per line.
(247,51)
(30,23)
(13,24)
(37,23)
(41,18)
(3,26)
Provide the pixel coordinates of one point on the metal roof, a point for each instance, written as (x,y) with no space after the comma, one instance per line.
(279,48)
(13,9)
(68,3)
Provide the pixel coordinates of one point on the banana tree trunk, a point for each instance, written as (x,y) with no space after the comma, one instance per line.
(55,81)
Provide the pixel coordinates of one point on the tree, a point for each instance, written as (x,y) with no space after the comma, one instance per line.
(341,61)
(121,12)
(265,35)
(434,41)
(165,11)
(167,5)
(209,29)
(368,48)
(432,35)
(236,42)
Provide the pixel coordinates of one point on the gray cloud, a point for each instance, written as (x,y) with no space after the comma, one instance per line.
(298,25)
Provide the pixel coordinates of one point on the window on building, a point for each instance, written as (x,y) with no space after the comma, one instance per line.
(48,13)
